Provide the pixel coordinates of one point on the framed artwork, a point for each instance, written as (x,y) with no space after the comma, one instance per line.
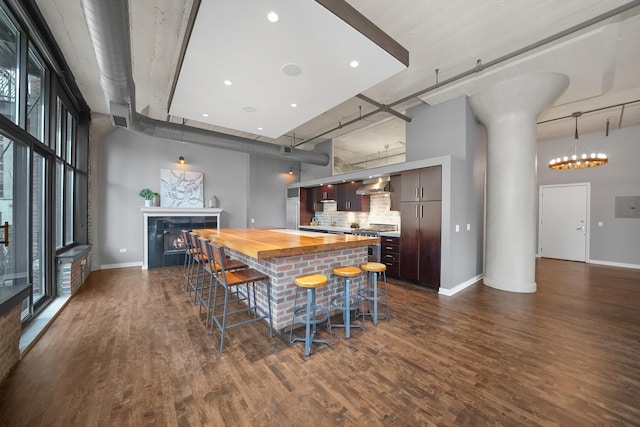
(181,189)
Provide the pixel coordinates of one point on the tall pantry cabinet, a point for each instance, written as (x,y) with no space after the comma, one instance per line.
(421,216)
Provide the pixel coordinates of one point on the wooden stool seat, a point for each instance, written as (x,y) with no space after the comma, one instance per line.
(311,280)
(310,314)
(346,302)
(372,293)
(375,267)
(347,271)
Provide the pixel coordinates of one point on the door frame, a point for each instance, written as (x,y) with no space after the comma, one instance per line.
(587,185)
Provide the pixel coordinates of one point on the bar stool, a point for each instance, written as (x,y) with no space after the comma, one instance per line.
(199,258)
(230,279)
(371,293)
(188,257)
(308,315)
(346,302)
(212,268)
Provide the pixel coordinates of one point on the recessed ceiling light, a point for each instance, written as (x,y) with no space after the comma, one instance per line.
(291,69)
(205,115)
(249,108)
(354,64)
(260,128)
(272,17)
(294,105)
(228,82)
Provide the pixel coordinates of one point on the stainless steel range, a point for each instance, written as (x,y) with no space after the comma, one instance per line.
(374,230)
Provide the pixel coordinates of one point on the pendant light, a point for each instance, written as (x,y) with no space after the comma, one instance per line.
(575,161)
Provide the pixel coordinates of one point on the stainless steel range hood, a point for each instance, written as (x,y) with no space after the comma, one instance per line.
(375,186)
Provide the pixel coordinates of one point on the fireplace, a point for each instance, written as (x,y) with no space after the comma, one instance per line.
(163,244)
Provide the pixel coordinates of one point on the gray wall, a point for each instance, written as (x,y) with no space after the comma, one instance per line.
(618,241)
(437,130)
(451,129)
(129,162)
(268,179)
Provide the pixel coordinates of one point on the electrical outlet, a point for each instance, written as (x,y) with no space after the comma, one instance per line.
(468,227)
(457,228)
(123,250)
(600,224)
(253,220)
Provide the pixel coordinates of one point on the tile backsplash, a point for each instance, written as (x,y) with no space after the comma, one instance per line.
(379,213)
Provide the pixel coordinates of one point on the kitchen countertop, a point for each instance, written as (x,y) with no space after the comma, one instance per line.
(275,243)
(327,228)
(390,234)
(344,230)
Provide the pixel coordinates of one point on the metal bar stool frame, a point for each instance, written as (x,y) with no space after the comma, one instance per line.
(211,267)
(229,279)
(372,293)
(310,319)
(199,258)
(188,257)
(346,302)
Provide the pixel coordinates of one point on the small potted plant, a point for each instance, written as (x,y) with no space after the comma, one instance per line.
(355,225)
(148,196)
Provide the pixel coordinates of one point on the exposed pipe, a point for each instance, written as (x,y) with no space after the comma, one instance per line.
(383,107)
(622,104)
(108,24)
(479,66)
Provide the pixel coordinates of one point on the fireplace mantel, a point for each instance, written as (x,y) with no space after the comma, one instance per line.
(164,211)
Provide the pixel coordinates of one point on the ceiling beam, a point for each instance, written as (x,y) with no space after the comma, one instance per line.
(360,23)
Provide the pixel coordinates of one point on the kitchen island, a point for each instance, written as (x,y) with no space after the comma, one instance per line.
(283,254)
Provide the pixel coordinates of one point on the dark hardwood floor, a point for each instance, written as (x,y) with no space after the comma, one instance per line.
(130,349)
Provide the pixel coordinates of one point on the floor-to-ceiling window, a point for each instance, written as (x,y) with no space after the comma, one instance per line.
(39,248)
(42,198)
(14,218)
(9,39)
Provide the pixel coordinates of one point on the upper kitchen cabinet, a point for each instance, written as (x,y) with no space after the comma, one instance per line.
(305,212)
(348,200)
(326,192)
(316,195)
(421,184)
(395,186)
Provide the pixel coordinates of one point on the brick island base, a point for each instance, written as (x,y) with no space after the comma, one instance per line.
(283,270)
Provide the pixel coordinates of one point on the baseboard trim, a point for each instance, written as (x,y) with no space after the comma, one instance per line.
(614,264)
(120,265)
(462,286)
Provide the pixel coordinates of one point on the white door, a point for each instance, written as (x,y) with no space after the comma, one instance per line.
(563,221)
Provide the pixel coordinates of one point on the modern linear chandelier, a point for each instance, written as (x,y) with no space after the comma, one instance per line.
(575,161)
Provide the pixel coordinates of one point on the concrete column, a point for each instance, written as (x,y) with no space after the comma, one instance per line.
(509,110)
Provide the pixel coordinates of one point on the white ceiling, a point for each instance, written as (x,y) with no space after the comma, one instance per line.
(233,41)
(602,61)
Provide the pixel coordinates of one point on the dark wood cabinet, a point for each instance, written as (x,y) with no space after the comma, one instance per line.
(390,254)
(410,189)
(420,242)
(306,213)
(313,200)
(327,192)
(317,194)
(395,186)
(421,184)
(348,200)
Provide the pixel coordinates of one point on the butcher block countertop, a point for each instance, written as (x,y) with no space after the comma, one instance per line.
(263,243)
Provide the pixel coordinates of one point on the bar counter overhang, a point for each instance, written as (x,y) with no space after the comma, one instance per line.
(283,254)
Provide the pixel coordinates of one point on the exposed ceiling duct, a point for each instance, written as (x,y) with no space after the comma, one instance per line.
(108,24)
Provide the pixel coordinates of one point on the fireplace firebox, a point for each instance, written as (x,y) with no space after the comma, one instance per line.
(165,243)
